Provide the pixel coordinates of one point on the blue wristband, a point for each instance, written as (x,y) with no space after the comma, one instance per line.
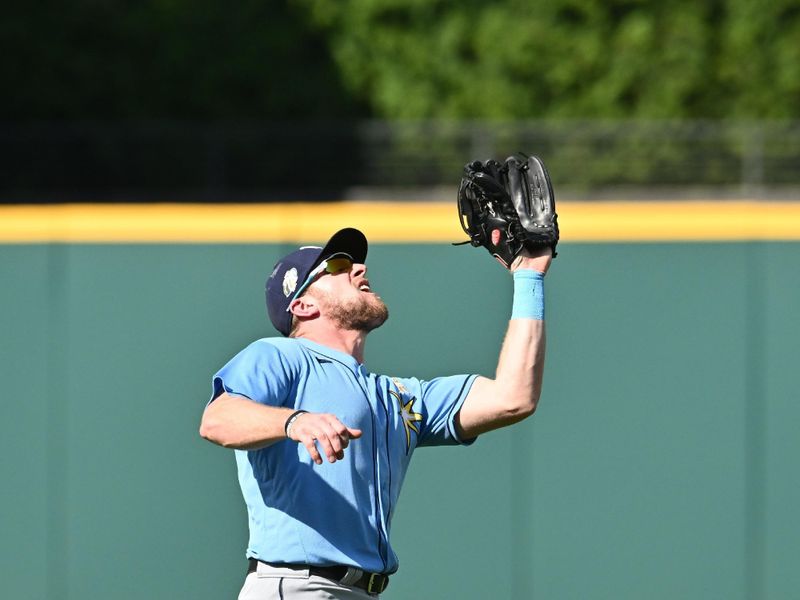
(528,295)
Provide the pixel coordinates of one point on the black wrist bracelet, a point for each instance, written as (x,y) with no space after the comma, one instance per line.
(292,418)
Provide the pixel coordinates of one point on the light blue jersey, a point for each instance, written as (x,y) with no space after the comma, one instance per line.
(340,513)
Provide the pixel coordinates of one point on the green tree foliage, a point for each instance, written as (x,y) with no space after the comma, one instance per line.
(760,59)
(465,59)
(514,59)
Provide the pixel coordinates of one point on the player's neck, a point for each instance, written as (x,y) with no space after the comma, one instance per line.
(349,341)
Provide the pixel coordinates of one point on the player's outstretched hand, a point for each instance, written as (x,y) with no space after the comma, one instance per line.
(536,260)
(326,430)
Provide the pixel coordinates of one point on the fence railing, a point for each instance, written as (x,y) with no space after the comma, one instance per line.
(323,160)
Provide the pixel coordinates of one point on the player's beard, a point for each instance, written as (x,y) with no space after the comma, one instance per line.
(364,312)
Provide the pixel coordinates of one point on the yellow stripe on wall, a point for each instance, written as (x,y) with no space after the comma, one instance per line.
(386,222)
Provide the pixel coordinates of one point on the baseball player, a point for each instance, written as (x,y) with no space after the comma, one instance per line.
(323,445)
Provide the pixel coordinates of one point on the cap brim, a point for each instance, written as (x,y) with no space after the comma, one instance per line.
(348,241)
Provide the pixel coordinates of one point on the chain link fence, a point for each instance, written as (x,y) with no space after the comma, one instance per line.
(263,161)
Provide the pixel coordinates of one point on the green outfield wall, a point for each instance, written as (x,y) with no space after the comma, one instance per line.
(662,462)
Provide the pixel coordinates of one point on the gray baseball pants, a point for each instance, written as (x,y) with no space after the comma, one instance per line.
(280,583)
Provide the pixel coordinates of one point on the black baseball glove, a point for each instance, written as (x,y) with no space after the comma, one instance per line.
(508,207)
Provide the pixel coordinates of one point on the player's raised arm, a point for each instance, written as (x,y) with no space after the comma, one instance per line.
(510,210)
(514,392)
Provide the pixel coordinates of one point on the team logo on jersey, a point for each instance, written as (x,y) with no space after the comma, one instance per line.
(410,418)
(289,282)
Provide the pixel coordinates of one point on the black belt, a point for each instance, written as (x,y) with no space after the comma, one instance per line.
(373,583)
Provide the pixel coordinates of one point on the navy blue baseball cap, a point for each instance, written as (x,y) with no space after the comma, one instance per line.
(292,271)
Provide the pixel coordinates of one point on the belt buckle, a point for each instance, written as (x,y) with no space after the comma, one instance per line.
(381,583)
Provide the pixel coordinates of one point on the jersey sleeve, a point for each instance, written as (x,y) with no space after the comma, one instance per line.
(442,399)
(260,372)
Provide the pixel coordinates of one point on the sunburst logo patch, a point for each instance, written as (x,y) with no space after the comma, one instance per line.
(411,419)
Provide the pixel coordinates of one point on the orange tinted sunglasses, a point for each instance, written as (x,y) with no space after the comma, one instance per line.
(332,266)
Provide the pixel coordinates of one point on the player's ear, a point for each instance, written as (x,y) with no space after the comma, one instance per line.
(304,307)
